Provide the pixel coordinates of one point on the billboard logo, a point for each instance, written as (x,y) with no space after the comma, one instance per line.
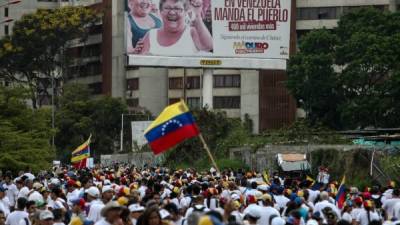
(250,47)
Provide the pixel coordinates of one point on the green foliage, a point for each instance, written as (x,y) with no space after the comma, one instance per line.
(79,116)
(35,51)
(363,90)
(354,164)
(24,133)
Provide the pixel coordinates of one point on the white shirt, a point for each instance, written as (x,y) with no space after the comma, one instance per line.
(95,211)
(56,204)
(15,217)
(347,217)
(102,222)
(23,192)
(281,201)
(35,196)
(5,206)
(355,212)
(388,206)
(396,210)
(266,213)
(363,217)
(183,46)
(323,204)
(72,195)
(11,193)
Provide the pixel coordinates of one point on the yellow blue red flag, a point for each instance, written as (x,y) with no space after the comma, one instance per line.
(174,125)
(81,153)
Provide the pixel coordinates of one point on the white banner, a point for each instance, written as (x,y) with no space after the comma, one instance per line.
(208,32)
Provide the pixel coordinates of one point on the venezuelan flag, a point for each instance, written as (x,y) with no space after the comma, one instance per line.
(82,152)
(341,194)
(174,125)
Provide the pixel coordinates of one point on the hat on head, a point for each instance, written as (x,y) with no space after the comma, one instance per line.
(108,207)
(93,191)
(106,188)
(40,203)
(71,183)
(136,208)
(37,186)
(254,213)
(123,200)
(263,187)
(278,221)
(45,215)
(251,199)
(266,197)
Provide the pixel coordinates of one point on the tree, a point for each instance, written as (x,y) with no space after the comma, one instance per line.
(79,116)
(35,52)
(349,78)
(24,133)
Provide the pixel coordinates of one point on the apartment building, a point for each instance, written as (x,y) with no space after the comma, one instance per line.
(101,62)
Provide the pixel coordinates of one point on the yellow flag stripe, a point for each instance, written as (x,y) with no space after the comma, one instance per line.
(82,146)
(168,113)
(80,158)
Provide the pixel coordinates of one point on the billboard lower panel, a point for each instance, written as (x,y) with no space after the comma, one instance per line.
(195,62)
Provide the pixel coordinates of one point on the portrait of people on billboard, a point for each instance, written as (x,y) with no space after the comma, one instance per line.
(169,27)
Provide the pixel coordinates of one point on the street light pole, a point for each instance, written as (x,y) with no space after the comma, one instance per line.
(52,110)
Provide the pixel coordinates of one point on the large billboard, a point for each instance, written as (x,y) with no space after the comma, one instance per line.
(208,33)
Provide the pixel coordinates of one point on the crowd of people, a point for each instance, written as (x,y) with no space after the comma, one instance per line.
(126,195)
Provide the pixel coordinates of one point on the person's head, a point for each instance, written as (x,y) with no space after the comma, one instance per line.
(157,198)
(2,192)
(173,210)
(58,215)
(396,193)
(29,183)
(136,210)
(111,212)
(21,203)
(324,196)
(93,193)
(107,193)
(31,207)
(173,14)
(140,8)
(151,216)
(78,205)
(55,193)
(46,217)
(253,215)
(2,218)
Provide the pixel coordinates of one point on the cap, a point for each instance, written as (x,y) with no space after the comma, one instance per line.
(254,212)
(263,187)
(71,183)
(251,199)
(109,206)
(278,221)
(266,197)
(37,186)
(93,191)
(106,188)
(136,208)
(45,215)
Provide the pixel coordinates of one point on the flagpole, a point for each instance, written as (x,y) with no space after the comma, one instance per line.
(209,152)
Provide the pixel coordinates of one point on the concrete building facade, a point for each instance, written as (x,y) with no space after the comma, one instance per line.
(260,95)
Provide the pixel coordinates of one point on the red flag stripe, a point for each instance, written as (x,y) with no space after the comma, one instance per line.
(173,138)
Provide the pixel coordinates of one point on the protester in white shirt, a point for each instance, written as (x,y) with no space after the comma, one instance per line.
(95,204)
(19,214)
(4,202)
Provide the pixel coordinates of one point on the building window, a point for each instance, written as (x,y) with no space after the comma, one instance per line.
(96,88)
(318,13)
(193,82)
(132,84)
(6,29)
(6,12)
(132,102)
(175,83)
(173,100)
(193,102)
(227,81)
(227,102)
